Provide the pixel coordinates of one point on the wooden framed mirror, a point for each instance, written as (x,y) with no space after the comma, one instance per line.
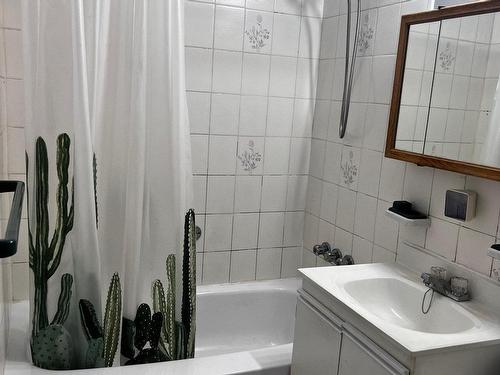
(445,109)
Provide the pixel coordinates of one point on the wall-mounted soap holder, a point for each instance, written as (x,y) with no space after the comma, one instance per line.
(403,212)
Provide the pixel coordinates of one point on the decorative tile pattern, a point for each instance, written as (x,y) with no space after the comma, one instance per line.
(258,35)
(250,158)
(446,58)
(366,34)
(349,169)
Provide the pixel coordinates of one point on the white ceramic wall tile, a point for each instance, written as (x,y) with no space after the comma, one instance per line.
(199,24)
(258,31)
(472,250)
(245,231)
(346,207)
(286,32)
(274,193)
(268,263)
(255,80)
(381,255)
(243,265)
(391,180)
(225,114)
(386,229)
(362,250)
(227,71)
(487,205)
(218,232)
(222,158)
(283,74)
(250,155)
(271,230)
(248,190)
(417,186)
(288,6)
(280,117)
(220,195)
(216,267)
(369,172)
(199,111)
(260,4)
(253,116)
(199,147)
(300,155)
(442,238)
(297,191)
(229,22)
(198,69)
(365,216)
(277,155)
(294,226)
(290,261)
(387,30)
(329,199)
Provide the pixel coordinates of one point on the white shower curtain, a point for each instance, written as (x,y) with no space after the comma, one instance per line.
(107,125)
(490,153)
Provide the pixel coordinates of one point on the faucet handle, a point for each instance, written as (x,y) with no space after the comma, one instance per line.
(459,286)
(439,272)
(321,249)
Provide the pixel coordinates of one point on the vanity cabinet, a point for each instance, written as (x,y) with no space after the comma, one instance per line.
(323,347)
(365,358)
(334,336)
(316,348)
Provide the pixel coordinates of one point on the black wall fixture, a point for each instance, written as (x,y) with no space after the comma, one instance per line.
(8,245)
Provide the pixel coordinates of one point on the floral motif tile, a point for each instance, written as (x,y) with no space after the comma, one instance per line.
(249,155)
(257,32)
(349,167)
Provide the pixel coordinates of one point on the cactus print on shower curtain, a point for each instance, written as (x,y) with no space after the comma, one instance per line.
(155,335)
(51,344)
(169,339)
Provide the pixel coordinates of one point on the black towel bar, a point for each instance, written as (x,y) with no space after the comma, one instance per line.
(8,245)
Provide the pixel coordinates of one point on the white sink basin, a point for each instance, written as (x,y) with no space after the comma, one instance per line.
(399,302)
(389,297)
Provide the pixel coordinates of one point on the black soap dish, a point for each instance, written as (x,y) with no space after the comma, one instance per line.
(403,212)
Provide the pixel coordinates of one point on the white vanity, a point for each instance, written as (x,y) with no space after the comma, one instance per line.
(367,319)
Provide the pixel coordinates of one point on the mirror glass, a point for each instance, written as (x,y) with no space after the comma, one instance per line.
(450,100)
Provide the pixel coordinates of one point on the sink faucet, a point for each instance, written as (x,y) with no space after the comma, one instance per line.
(455,288)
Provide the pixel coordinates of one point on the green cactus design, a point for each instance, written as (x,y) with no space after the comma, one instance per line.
(143,330)
(103,343)
(52,348)
(45,257)
(178,338)
(112,320)
(188,312)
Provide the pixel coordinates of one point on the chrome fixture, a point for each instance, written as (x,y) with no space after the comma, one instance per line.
(349,68)
(333,256)
(455,288)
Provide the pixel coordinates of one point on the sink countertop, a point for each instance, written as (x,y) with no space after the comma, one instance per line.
(392,310)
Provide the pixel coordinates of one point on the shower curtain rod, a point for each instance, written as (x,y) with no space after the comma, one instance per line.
(8,245)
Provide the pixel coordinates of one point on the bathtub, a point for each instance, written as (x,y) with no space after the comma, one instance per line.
(243,328)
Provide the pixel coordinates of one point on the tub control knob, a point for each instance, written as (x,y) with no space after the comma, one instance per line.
(321,249)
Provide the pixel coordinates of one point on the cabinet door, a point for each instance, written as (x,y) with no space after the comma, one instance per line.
(363,357)
(316,347)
